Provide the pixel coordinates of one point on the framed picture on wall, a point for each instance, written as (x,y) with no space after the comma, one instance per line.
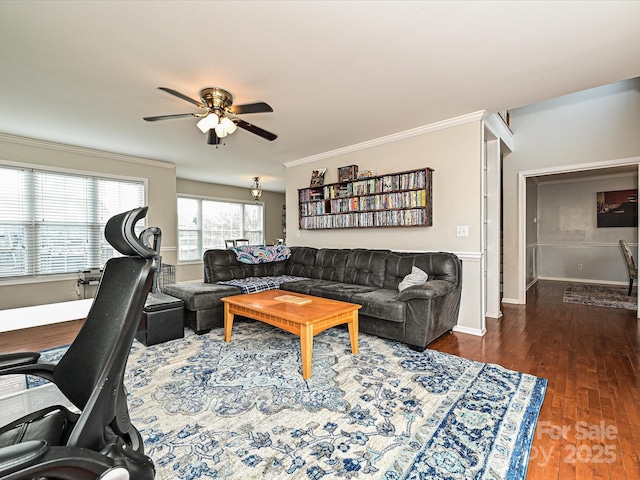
(618,208)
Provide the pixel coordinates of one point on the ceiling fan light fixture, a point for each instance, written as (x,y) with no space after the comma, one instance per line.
(207,123)
(215,104)
(220,130)
(256,189)
(228,125)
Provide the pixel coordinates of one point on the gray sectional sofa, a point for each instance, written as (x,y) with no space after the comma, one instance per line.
(417,315)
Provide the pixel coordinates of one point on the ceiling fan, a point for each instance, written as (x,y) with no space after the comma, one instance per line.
(218,115)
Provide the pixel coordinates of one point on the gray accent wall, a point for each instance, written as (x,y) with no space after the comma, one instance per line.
(568,236)
(577,130)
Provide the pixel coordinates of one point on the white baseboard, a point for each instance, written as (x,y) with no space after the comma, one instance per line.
(512,301)
(584,280)
(470,331)
(497,314)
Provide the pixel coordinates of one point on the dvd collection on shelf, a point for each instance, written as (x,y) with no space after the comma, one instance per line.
(382,218)
(383,201)
(392,200)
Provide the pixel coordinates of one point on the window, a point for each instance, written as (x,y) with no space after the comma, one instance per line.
(204,224)
(53,222)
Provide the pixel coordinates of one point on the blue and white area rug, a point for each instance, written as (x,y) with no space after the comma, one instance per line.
(210,410)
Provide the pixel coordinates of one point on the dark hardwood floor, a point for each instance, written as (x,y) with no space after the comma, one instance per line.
(589,424)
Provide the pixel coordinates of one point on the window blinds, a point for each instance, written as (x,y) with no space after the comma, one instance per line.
(53,222)
(204,224)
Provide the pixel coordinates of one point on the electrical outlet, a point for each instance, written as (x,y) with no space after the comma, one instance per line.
(579,266)
(463,231)
(298,233)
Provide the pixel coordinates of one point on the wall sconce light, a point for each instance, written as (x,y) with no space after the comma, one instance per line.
(256,189)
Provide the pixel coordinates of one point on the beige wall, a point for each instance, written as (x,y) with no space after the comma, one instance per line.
(273,202)
(597,125)
(161,199)
(455,155)
(162,187)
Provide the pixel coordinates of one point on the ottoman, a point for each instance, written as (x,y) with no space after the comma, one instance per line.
(162,319)
(203,306)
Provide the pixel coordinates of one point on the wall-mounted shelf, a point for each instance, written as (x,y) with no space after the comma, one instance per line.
(402,199)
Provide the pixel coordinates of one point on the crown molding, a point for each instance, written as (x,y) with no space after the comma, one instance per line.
(32,142)
(432,127)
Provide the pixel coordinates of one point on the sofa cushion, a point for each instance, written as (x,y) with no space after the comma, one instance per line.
(223,265)
(330,264)
(301,261)
(438,265)
(339,291)
(366,267)
(259,284)
(304,286)
(199,296)
(269,269)
(381,303)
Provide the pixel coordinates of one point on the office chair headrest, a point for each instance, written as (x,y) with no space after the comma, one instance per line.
(120,233)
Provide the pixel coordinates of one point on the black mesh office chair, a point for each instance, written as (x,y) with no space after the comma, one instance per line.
(100,441)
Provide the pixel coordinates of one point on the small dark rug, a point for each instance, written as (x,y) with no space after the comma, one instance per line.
(601,296)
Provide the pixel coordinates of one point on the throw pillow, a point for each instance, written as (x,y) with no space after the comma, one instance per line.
(416,277)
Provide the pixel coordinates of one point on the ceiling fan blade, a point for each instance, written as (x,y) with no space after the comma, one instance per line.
(183,97)
(167,117)
(257,130)
(212,138)
(259,107)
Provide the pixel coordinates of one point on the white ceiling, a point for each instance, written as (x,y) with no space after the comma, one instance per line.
(337,73)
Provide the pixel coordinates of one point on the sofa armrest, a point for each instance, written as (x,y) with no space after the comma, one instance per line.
(427,291)
(432,310)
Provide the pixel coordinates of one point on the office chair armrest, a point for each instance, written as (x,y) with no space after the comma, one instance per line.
(36,458)
(14,457)
(25,363)
(17,359)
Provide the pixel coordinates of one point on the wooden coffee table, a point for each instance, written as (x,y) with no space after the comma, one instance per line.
(304,320)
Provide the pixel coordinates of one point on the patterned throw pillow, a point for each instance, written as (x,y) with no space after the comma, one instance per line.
(416,277)
(261,254)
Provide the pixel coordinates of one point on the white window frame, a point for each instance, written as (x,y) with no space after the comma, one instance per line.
(34,276)
(199,231)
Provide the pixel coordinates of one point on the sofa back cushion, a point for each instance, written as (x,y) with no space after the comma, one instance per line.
(270,269)
(330,264)
(438,265)
(223,265)
(301,261)
(366,267)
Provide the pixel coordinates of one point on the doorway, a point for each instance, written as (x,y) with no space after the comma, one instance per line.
(526,181)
